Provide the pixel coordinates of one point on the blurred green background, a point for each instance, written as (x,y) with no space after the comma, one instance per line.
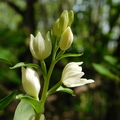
(96,29)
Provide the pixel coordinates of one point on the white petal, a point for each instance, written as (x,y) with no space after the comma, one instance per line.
(81,82)
(32,40)
(72,75)
(85,81)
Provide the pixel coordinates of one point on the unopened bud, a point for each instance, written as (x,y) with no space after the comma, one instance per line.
(71,17)
(30,81)
(66,39)
(56,28)
(63,20)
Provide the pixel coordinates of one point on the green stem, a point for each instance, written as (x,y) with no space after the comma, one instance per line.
(46,85)
(52,90)
(59,55)
(44,67)
(47,77)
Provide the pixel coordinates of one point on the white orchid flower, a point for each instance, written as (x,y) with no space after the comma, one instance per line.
(72,73)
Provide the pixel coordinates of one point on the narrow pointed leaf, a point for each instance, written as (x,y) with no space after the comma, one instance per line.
(33,102)
(5,61)
(110,59)
(24,111)
(104,71)
(23,64)
(69,55)
(5,101)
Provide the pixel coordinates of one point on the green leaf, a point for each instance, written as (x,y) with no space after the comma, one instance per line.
(33,102)
(110,59)
(68,55)
(5,101)
(66,90)
(24,111)
(104,71)
(21,64)
(5,61)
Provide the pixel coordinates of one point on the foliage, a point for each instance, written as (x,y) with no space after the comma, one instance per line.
(5,101)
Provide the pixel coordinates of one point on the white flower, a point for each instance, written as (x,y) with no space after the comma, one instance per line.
(39,47)
(30,81)
(72,73)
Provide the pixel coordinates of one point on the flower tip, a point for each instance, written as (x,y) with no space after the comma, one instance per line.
(90,81)
(80,63)
(38,33)
(31,36)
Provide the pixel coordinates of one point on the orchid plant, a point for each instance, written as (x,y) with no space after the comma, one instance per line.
(54,44)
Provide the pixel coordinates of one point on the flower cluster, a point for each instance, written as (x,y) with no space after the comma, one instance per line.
(62,28)
(56,42)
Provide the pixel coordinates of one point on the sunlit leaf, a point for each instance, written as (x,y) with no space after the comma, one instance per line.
(33,102)
(24,111)
(5,101)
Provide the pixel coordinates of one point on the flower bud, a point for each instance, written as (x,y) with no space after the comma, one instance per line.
(39,47)
(56,28)
(66,39)
(72,73)
(71,17)
(30,82)
(63,20)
